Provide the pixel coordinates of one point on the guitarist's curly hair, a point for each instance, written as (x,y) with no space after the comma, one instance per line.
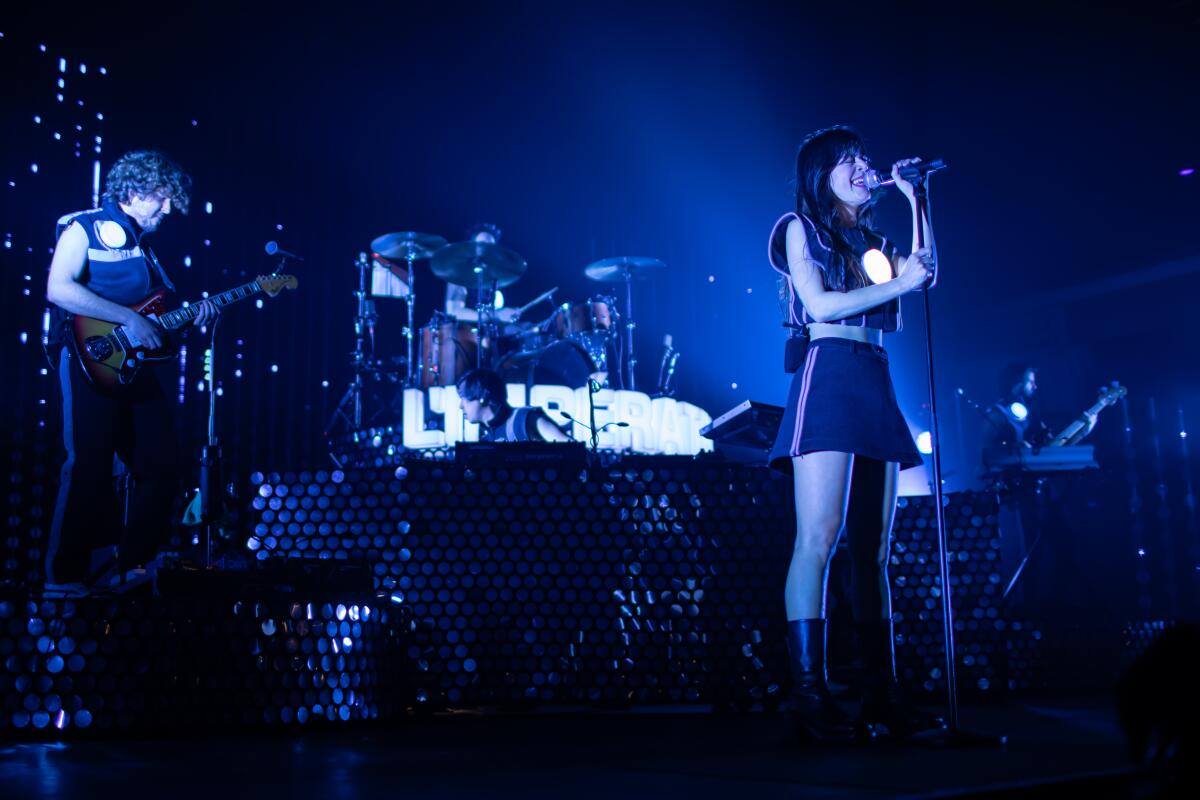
(146,172)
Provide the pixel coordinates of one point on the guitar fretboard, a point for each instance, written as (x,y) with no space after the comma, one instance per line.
(181,316)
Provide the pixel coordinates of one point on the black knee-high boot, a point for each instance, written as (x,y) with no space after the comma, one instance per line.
(884,702)
(815,715)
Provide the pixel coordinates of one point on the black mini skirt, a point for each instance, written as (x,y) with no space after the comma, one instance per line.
(842,399)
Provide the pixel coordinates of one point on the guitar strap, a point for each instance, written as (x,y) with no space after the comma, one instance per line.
(153,259)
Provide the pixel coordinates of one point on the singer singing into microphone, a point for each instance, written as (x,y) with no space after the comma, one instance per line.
(843,437)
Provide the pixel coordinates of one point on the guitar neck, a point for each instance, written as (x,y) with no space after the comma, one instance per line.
(1081,423)
(182,316)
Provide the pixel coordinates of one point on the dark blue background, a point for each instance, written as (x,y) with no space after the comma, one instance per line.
(660,129)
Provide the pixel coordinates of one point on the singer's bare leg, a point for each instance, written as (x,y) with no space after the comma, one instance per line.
(822,487)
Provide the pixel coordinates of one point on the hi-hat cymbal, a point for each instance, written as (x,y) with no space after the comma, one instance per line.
(615,269)
(407,244)
(464,262)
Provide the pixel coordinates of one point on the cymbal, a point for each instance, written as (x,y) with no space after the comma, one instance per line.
(464,262)
(614,270)
(401,245)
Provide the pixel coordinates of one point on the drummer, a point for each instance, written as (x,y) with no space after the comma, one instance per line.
(481,395)
(457,296)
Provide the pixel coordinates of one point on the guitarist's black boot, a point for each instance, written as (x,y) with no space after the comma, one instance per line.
(884,702)
(815,715)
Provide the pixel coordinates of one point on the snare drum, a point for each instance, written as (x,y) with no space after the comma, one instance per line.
(593,316)
(448,350)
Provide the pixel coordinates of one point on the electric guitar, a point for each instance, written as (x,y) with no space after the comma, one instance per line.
(1081,427)
(111,355)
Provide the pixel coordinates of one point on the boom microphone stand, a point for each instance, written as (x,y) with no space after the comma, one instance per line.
(953,736)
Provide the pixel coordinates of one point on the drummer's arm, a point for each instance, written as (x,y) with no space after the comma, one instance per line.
(456,303)
(549,431)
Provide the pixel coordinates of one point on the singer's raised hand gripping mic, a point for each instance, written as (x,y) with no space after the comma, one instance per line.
(876,180)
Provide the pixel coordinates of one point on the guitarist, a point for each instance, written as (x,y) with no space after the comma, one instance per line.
(100,265)
(1012,424)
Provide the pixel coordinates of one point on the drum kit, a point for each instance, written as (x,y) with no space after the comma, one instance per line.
(576,343)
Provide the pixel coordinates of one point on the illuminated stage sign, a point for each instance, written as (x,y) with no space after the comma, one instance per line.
(660,425)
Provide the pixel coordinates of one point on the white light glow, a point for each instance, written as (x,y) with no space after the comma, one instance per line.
(877,266)
(924,443)
(1019,410)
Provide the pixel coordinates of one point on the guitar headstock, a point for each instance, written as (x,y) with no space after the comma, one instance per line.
(274,284)
(1111,394)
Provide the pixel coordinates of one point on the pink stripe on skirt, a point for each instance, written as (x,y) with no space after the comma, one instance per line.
(805,385)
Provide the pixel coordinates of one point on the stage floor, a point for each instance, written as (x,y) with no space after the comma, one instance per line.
(655,752)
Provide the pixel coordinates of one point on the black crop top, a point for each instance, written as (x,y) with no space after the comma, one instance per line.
(885,317)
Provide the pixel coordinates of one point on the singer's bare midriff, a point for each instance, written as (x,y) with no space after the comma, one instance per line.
(855,333)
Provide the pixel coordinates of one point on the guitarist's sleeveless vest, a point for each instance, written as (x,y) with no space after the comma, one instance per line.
(118,267)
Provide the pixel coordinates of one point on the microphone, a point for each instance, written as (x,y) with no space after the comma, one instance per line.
(667,366)
(877,180)
(273,248)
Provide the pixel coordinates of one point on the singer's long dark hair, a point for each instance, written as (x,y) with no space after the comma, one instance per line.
(819,153)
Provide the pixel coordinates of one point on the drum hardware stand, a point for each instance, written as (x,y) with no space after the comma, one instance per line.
(630,357)
(410,331)
(953,736)
(364,328)
(485,314)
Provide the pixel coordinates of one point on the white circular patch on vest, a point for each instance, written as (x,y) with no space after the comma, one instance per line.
(877,266)
(111,233)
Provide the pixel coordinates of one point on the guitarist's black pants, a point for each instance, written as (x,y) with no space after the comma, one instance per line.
(135,423)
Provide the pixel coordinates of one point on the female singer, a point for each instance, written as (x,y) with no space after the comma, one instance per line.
(843,437)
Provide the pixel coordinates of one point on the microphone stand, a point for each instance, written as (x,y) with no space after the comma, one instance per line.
(593,387)
(953,735)
(211,493)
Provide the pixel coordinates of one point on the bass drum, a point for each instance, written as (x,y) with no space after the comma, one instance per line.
(561,364)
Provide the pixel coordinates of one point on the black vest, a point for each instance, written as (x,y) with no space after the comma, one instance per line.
(519,426)
(118,267)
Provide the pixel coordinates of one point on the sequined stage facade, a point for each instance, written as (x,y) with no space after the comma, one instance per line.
(654,580)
